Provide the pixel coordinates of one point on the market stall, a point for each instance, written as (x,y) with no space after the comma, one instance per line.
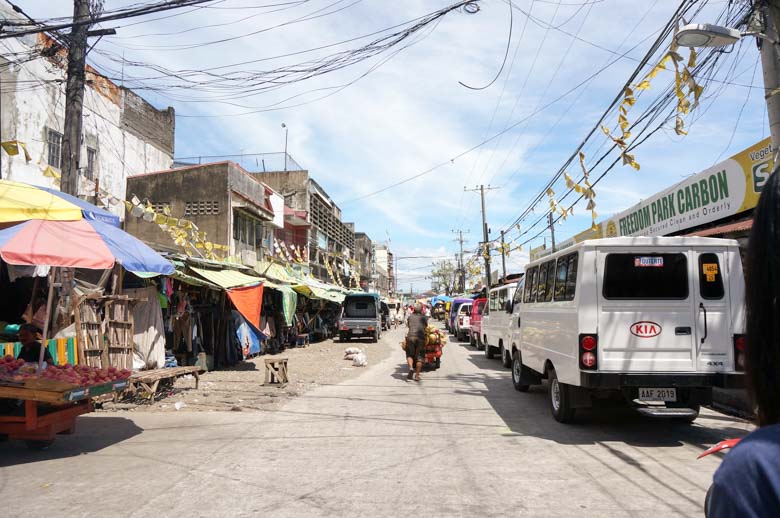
(47,238)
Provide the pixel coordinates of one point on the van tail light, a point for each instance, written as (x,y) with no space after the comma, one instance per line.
(739,352)
(370,328)
(588,351)
(460,320)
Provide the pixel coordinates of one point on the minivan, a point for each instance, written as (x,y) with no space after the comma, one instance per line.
(496,318)
(657,321)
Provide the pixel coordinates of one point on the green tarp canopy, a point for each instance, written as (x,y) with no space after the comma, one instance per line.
(227,278)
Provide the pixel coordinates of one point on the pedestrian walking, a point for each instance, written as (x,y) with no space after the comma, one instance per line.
(415,342)
(747,483)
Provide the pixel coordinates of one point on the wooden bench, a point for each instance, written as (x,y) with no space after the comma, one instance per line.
(149,381)
(276,371)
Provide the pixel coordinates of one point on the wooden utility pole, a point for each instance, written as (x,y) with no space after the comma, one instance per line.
(485,231)
(552,231)
(461,269)
(74,98)
(503,256)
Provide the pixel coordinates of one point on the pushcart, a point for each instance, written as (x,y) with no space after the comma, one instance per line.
(45,413)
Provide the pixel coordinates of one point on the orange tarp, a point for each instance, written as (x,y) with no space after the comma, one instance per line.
(248,301)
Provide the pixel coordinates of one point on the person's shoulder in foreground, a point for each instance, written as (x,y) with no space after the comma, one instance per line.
(747,483)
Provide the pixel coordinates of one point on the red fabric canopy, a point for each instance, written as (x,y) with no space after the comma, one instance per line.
(248,301)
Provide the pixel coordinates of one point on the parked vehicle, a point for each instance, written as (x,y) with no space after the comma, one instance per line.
(454,306)
(496,330)
(658,321)
(361,316)
(463,322)
(475,337)
(384,309)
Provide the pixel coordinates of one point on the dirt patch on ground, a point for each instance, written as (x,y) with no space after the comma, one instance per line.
(241,387)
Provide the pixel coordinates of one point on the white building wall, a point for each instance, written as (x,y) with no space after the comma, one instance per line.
(32,99)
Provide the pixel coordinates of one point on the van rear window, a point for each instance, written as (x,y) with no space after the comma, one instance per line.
(646,276)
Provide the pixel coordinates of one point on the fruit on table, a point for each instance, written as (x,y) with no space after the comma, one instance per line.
(78,375)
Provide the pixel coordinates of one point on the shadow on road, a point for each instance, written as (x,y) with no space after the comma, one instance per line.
(529,414)
(93,434)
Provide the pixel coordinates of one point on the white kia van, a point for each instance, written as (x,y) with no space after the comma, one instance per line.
(656,320)
(496,330)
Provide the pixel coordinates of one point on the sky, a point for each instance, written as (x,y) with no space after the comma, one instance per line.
(419,113)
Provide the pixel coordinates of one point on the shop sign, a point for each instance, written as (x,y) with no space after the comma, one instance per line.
(725,189)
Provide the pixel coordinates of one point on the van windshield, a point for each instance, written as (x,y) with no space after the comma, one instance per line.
(360,307)
(646,276)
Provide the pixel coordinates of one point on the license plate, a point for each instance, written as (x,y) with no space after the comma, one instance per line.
(357,331)
(657,394)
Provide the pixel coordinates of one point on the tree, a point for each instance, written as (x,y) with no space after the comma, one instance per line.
(444,277)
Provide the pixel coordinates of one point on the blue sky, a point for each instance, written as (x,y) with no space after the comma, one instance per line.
(411,113)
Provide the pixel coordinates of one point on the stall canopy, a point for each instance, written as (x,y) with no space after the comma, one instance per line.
(21,201)
(227,278)
(81,243)
(316,292)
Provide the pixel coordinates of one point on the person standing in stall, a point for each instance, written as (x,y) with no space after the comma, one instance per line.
(31,347)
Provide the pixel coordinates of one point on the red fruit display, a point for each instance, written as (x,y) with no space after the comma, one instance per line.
(79,375)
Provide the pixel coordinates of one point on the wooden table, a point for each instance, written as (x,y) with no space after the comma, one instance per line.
(149,381)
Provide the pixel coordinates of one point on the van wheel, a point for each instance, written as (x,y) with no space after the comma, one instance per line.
(479,344)
(517,370)
(375,338)
(472,342)
(560,400)
(506,360)
(488,351)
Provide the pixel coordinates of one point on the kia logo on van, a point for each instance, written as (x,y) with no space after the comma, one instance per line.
(645,329)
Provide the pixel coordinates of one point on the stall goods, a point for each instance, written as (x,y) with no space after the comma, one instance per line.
(19,372)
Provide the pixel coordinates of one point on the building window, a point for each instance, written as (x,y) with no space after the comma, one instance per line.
(54,147)
(91,162)
(201,208)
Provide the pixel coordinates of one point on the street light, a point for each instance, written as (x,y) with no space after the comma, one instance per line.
(766,18)
(706,35)
(286,129)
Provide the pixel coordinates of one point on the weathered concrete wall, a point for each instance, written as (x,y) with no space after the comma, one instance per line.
(32,99)
(289,182)
(176,188)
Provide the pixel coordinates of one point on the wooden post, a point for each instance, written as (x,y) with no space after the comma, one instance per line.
(48,317)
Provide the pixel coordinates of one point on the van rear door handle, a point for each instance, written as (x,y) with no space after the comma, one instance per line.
(682,331)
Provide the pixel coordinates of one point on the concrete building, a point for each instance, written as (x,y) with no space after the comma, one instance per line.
(329,238)
(122,133)
(364,255)
(231,205)
(384,270)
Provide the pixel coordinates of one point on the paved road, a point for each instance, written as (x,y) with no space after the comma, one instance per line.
(461,443)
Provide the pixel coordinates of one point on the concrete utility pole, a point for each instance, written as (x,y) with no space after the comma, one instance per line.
(771,68)
(461,270)
(503,256)
(485,230)
(74,98)
(552,231)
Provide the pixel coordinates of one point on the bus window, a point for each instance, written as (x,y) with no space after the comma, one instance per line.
(571,276)
(560,277)
(541,282)
(530,286)
(646,276)
(548,289)
(710,277)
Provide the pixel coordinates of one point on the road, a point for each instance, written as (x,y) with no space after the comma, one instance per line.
(460,443)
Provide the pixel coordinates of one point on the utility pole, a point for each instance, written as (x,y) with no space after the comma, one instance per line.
(552,231)
(74,98)
(771,69)
(461,270)
(503,256)
(485,231)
